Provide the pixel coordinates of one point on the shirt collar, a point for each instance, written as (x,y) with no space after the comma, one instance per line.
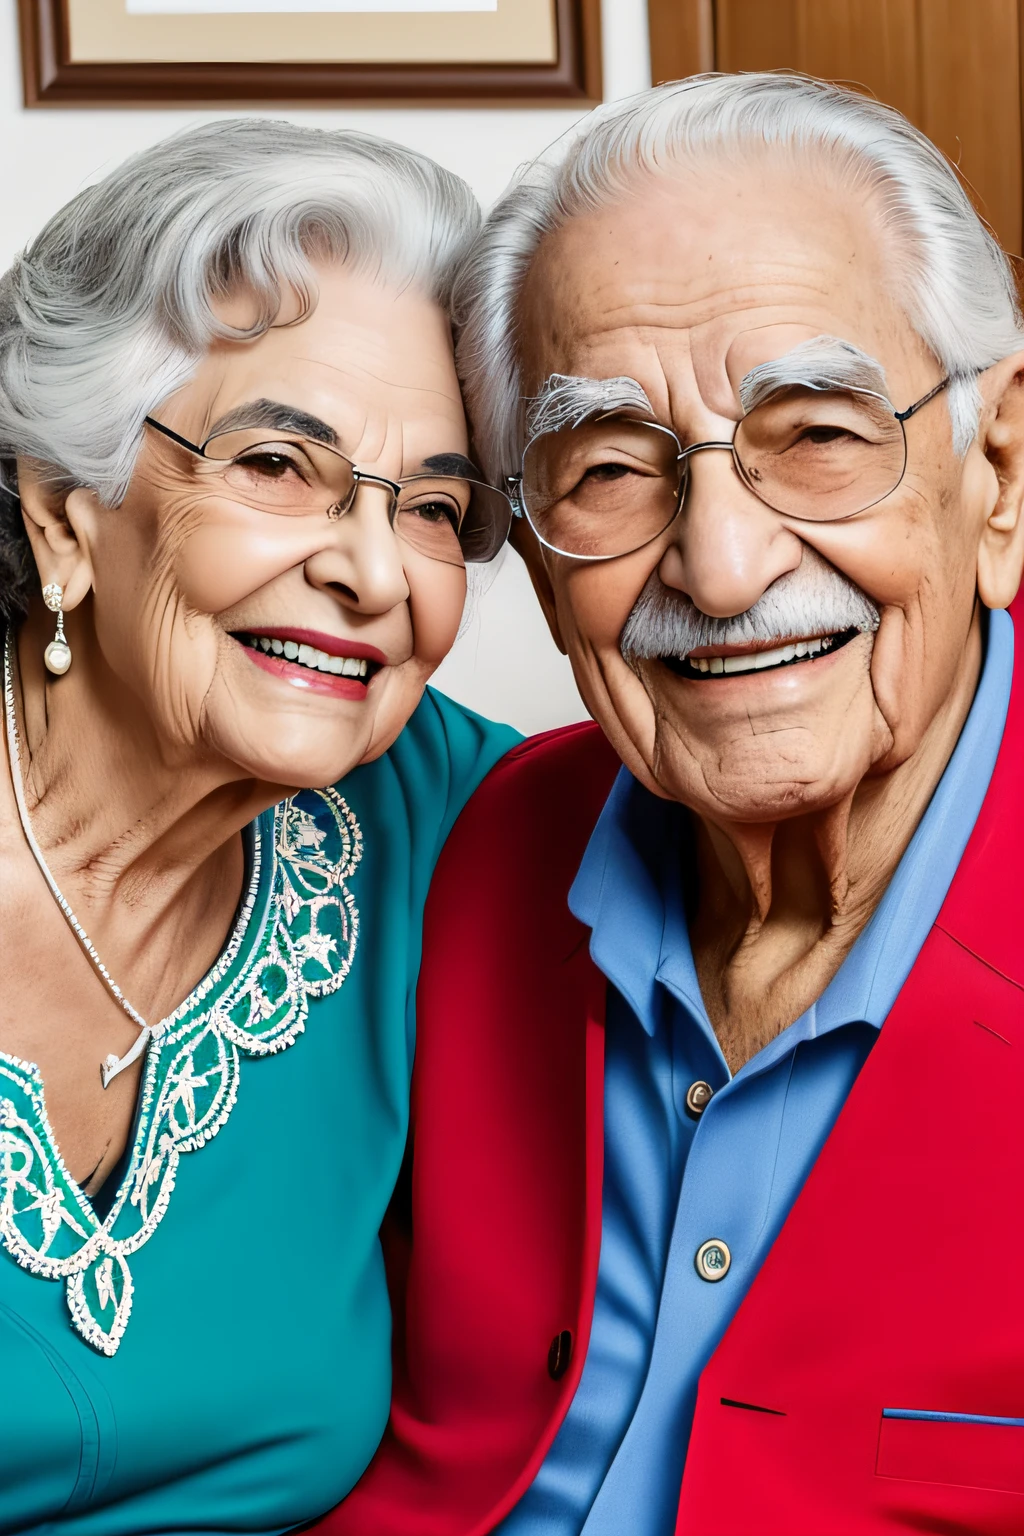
(628,889)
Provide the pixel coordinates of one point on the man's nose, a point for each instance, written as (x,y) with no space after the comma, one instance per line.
(728,547)
(360,557)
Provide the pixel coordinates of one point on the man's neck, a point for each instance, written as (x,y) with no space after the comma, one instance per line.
(780,905)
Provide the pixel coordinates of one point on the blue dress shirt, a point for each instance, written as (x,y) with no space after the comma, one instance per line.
(672,1181)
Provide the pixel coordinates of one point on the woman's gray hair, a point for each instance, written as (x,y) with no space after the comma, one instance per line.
(112,306)
(950,276)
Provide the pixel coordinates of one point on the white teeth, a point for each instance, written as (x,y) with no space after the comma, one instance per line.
(757,661)
(310,656)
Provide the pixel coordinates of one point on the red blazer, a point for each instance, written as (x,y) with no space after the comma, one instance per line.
(897,1281)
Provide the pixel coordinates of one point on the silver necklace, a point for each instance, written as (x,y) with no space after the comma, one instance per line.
(113,1064)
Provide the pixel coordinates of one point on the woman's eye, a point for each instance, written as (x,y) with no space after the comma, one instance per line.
(436,512)
(271,466)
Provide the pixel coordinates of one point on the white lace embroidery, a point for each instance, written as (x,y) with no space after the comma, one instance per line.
(308,926)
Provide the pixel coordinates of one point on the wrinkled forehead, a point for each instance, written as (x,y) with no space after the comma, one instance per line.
(697,279)
(372,363)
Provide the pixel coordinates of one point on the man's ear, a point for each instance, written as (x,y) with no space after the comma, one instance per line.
(57,522)
(525,542)
(1001,549)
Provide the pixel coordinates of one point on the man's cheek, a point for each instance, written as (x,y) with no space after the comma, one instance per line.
(913,665)
(595,609)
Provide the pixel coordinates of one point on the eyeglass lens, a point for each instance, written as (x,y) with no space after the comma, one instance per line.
(607,486)
(444,517)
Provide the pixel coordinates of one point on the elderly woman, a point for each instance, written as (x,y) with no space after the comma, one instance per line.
(240,507)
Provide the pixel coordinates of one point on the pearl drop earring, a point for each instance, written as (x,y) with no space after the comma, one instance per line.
(57,655)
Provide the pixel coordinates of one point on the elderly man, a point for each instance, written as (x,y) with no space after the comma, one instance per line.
(719,1132)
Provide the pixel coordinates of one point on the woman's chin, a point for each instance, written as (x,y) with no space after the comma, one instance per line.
(297,755)
(302,738)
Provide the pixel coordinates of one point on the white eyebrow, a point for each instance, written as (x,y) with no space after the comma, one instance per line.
(824,362)
(565,400)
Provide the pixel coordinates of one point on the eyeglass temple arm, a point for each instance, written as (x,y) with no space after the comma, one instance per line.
(514,493)
(911,409)
(175,437)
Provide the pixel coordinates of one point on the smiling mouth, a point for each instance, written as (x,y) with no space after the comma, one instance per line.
(310,657)
(792,654)
(345,671)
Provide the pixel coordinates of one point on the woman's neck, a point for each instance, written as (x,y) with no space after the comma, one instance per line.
(142,837)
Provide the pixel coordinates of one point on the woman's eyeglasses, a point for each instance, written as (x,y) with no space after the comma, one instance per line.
(444,511)
(609,484)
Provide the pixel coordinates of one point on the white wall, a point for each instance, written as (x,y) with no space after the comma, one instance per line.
(504,664)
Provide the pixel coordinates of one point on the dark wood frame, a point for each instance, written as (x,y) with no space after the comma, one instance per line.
(51,80)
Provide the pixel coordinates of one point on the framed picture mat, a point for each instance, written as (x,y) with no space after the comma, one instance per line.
(54,77)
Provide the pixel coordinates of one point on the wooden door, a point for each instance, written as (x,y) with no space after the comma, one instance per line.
(952,66)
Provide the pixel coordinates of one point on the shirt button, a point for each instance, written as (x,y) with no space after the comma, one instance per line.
(698,1097)
(559,1354)
(712,1259)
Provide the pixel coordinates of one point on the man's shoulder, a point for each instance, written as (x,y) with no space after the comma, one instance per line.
(566,771)
(538,805)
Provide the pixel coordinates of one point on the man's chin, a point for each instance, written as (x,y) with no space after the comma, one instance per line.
(744,754)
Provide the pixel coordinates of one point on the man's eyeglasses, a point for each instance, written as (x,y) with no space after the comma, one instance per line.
(609,484)
(442,512)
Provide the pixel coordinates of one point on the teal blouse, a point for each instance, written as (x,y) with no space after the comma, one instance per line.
(213,1355)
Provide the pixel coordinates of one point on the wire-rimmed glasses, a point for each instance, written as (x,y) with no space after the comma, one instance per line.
(445,511)
(610,483)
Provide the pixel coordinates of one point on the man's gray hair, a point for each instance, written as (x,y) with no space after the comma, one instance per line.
(950,276)
(113,305)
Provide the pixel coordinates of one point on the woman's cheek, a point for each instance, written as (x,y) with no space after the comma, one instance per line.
(437,597)
(218,563)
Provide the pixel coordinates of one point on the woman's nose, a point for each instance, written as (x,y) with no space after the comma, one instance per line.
(360,558)
(728,547)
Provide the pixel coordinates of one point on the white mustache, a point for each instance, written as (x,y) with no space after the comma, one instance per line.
(814,599)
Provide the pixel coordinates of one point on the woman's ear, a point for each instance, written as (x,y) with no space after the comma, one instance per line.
(1001,547)
(526,544)
(58,523)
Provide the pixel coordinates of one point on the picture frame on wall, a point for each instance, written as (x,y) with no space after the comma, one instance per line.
(165,52)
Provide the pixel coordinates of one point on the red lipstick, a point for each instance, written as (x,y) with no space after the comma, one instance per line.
(311,679)
(334,645)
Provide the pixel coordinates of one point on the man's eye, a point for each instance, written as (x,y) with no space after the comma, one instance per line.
(609,471)
(822,435)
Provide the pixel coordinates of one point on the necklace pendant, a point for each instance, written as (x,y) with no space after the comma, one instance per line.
(112,1064)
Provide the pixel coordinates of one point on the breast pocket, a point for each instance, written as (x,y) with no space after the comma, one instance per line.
(969,1449)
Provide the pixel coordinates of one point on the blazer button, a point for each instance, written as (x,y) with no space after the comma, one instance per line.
(559,1354)
(698,1097)
(712,1259)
